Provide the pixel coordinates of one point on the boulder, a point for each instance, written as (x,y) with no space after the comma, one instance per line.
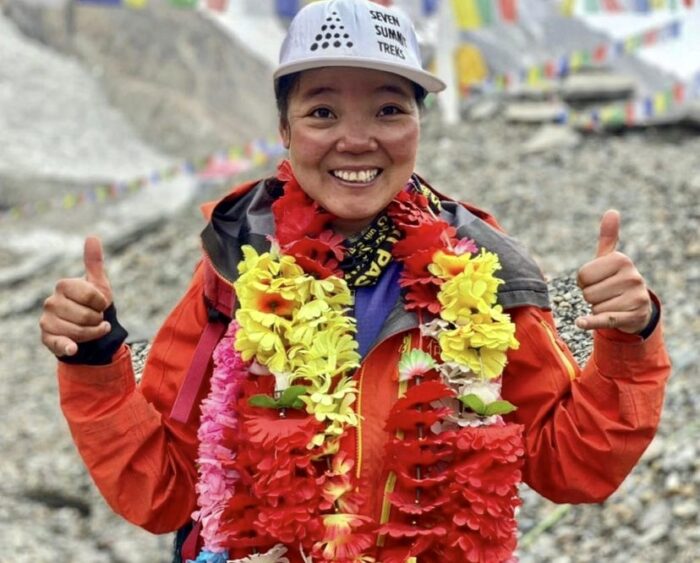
(597,86)
(535,112)
(551,137)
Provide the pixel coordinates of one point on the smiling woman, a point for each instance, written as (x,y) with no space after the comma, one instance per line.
(361,370)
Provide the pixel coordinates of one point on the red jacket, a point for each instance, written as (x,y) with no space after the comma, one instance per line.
(585,428)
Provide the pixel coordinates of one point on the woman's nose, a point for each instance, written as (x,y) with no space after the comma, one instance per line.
(357,137)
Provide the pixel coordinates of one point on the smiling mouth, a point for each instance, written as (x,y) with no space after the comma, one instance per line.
(357,176)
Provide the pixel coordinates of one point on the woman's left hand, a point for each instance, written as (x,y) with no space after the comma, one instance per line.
(613,286)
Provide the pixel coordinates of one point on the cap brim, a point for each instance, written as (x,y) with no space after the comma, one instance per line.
(421,77)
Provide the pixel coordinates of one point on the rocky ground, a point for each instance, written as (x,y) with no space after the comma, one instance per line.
(549,194)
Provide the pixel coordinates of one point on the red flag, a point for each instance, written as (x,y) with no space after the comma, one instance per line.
(612,6)
(217,5)
(688,3)
(650,37)
(549,69)
(600,53)
(509,11)
(629,113)
(678,92)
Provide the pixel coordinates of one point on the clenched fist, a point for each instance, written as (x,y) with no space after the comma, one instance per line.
(74,312)
(613,286)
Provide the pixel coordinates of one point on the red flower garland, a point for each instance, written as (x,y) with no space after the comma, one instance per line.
(456,490)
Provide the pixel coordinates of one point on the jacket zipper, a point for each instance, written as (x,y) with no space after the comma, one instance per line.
(390,482)
(562,356)
(209,261)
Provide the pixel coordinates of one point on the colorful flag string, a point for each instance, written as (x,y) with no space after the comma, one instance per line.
(569,7)
(214,5)
(223,165)
(475,14)
(562,66)
(635,112)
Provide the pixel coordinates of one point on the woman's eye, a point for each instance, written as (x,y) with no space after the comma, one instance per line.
(390,110)
(322,113)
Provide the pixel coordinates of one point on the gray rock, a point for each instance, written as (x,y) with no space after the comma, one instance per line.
(597,86)
(551,137)
(534,112)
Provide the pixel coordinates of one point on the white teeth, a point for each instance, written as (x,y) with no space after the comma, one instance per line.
(363,176)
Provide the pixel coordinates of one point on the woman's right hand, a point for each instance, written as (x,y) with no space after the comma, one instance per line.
(74,312)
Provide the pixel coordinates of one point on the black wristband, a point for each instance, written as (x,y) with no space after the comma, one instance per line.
(100,352)
(653,321)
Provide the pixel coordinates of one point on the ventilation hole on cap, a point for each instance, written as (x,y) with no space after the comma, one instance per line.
(349,43)
(314,46)
(319,37)
(346,36)
(335,13)
(324,27)
(332,27)
(341,27)
(336,44)
(337,35)
(329,19)
(328,36)
(324,45)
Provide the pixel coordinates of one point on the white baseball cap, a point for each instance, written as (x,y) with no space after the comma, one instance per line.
(355,33)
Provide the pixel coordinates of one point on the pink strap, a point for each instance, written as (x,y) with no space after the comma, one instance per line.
(189,546)
(187,395)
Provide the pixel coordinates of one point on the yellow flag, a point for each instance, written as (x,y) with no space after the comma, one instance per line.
(659,103)
(467,14)
(136,4)
(470,65)
(567,8)
(534,76)
(576,60)
(69,201)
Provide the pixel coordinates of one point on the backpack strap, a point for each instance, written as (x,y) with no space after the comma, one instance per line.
(191,544)
(220,299)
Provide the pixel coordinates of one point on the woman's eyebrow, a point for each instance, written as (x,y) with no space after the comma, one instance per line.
(393,89)
(318,91)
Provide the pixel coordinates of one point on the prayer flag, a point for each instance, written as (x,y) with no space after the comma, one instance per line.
(184,3)
(659,103)
(509,11)
(612,5)
(430,6)
(102,2)
(287,8)
(217,5)
(642,6)
(136,4)
(592,6)
(600,54)
(679,92)
(466,13)
(567,8)
(485,11)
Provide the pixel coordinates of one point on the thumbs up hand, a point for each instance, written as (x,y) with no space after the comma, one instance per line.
(74,312)
(612,285)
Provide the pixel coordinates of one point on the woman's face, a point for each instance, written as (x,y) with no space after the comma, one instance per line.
(352,136)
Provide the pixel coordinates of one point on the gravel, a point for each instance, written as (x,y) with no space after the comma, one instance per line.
(551,200)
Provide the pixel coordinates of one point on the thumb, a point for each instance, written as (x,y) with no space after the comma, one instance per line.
(609,233)
(93,258)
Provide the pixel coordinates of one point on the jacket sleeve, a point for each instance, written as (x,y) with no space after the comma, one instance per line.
(142,462)
(585,428)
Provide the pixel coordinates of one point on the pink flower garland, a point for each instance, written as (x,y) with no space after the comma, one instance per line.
(218,424)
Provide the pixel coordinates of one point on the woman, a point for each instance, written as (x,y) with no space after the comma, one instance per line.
(392,371)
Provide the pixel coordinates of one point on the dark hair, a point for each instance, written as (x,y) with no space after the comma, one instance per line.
(286,84)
